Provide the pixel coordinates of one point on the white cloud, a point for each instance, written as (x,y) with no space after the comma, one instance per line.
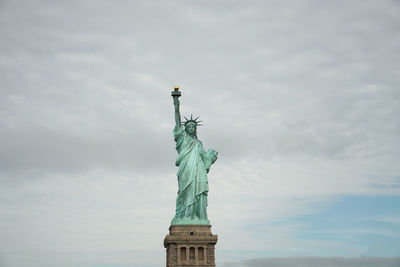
(387,219)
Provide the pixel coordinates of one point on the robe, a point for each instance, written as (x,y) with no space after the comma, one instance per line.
(191,202)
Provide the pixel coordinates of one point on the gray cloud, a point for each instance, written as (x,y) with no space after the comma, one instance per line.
(301,80)
(299,98)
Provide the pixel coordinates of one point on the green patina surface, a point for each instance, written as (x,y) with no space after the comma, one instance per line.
(194,163)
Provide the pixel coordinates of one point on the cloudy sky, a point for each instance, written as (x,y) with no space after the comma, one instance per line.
(300,98)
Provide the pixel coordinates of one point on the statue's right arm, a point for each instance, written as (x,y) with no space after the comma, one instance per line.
(177,113)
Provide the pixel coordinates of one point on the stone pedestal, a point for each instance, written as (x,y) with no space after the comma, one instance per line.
(190,245)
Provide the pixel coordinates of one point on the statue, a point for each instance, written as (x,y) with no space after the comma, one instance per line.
(194,163)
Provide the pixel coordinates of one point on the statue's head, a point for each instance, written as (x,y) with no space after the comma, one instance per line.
(191,128)
(191,125)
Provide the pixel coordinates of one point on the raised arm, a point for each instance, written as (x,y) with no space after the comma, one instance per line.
(177,113)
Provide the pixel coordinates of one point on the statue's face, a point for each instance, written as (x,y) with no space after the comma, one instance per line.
(190,128)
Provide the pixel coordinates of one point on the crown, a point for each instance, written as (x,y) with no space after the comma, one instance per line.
(191,120)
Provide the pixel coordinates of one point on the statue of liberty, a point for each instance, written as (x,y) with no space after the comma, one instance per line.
(194,164)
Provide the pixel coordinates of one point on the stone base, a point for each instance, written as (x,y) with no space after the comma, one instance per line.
(190,245)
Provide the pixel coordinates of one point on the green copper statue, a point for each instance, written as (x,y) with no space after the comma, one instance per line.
(194,164)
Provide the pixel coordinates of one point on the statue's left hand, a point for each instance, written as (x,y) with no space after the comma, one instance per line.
(210,158)
(214,157)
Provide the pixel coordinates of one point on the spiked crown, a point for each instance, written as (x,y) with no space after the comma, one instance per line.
(191,120)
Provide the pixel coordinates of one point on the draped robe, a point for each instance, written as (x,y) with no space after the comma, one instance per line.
(191,202)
